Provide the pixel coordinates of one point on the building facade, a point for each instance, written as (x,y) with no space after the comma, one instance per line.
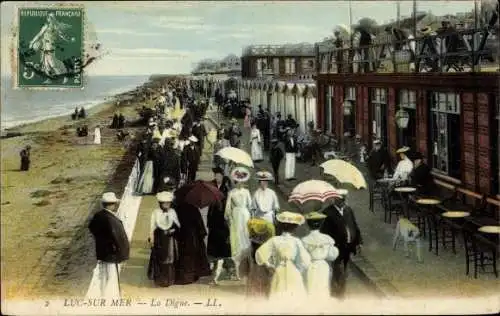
(451,118)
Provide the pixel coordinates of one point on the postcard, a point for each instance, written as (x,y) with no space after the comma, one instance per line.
(249,157)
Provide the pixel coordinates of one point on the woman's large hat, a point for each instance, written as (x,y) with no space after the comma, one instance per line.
(193,138)
(260,229)
(403,150)
(240,174)
(264,176)
(314,216)
(426,30)
(290,218)
(165,197)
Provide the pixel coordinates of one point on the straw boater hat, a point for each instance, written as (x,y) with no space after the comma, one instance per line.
(403,150)
(193,139)
(426,30)
(290,218)
(377,142)
(240,174)
(165,197)
(109,197)
(264,176)
(314,216)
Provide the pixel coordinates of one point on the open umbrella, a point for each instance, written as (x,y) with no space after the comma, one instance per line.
(344,172)
(313,190)
(236,155)
(199,193)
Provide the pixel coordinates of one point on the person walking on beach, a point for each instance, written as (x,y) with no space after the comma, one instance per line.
(97,135)
(112,247)
(25,158)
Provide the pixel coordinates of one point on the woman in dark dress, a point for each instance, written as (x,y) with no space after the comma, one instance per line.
(25,158)
(218,246)
(193,261)
(163,240)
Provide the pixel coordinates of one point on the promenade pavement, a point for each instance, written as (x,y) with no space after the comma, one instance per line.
(133,279)
(390,272)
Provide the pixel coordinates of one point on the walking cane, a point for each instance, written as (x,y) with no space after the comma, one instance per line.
(118,277)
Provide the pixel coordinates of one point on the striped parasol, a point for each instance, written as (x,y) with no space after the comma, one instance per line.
(313,190)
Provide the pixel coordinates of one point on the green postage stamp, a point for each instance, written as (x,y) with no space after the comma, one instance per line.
(50,47)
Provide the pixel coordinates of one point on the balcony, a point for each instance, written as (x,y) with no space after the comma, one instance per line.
(461,51)
(286,50)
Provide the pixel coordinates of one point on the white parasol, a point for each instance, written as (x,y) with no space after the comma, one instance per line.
(236,155)
(344,172)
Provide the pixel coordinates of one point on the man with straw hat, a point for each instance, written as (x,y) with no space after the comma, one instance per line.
(112,246)
(340,224)
(404,166)
(265,201)
(322,249)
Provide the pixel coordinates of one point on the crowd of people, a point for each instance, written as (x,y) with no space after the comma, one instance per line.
(244,233)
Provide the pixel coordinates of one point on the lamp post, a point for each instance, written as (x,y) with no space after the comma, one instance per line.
(402,120)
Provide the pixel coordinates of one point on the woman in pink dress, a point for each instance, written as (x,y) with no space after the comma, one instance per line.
(248,117)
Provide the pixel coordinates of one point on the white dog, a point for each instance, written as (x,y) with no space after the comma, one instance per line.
(410,234)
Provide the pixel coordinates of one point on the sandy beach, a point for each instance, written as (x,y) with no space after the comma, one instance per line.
(46,248)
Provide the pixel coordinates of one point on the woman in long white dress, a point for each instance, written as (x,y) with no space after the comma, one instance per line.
(286,255)
(237,213)
(97,135)
(147,179)
(256,143)
(322,249)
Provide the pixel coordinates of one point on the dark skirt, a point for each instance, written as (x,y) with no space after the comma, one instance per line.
(259,277)
(25,163)
(193,260)
(218,245)
(164,255)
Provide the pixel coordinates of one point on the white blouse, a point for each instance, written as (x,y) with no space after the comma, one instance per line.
(163,220)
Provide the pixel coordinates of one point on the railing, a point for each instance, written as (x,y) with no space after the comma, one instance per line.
(279,50)
(460,51)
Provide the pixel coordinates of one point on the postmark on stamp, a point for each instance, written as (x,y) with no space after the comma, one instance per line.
(50,47)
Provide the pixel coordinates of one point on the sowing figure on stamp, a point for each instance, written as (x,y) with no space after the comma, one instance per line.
(46,42)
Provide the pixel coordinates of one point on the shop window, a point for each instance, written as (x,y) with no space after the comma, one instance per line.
(378,99)
(289,66)
(350,113)
(444,124)
(407,135)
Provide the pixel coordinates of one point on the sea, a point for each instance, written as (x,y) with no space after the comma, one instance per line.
(20,106)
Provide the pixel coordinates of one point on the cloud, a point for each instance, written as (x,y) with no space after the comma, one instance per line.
(119,31)
(144,53)
(184,23)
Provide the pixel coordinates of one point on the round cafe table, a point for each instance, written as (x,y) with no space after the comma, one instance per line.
(455,214)
(489,229)
(405,192)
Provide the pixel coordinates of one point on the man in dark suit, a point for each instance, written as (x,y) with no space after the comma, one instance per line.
(275,157)
(290,154)
(378,161)
(341,225)
(421,176)
(112,245)
(190,160)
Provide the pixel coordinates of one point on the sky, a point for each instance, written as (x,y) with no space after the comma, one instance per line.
(170,37)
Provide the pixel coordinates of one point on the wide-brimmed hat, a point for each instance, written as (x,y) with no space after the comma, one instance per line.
(109,197)
(259,229)
(342,192)
(193,139)
(240,174)
(274,140)
(426,30)
(290,218)
(218,170)
(165,197)
(233,120)
(314,216)
(403,150)
(264,176)
(377,142)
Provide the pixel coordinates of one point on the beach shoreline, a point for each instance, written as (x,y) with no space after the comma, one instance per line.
(46,248)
